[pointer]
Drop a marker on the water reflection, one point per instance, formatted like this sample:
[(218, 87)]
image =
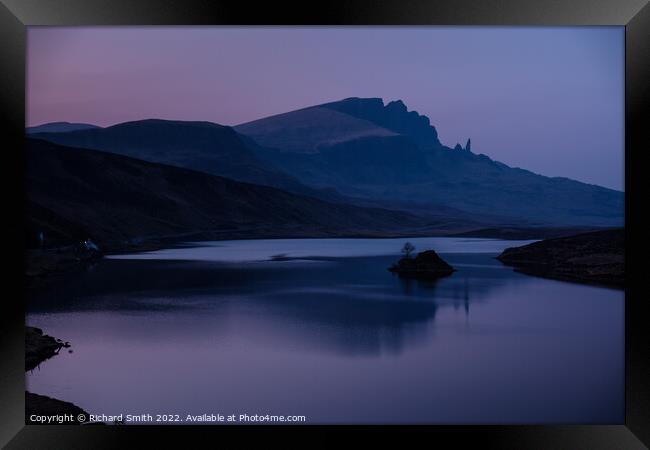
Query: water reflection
[(341, 340), (349, 306)]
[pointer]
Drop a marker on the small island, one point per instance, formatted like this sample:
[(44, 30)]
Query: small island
[(427, 265)]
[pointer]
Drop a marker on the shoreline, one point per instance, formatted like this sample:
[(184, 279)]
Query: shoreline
[(40, 347), (596, 258), (43, 265)]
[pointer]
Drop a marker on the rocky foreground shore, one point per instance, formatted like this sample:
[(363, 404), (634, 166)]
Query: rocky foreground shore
[(41, 405), (593, 258), (38, 348)]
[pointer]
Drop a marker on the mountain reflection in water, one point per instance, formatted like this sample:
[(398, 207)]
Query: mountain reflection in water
[(367, 346)]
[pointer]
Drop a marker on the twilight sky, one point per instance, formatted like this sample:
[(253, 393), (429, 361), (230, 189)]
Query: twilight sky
[(550, 100)]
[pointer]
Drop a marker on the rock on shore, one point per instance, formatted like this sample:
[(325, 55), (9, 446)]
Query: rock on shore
[(39, 347), (41, 405), (594, 258)]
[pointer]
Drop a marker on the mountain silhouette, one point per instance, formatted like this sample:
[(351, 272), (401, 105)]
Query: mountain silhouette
[(74, 194), (385, 153), (59, 127), (364, 152), (202, 146)]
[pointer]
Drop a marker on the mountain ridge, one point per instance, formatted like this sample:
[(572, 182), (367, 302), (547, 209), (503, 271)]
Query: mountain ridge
[(317, 126), (363, 152), (393, 116), (412, 165), (199, 145), (74, 194), (59, 127)]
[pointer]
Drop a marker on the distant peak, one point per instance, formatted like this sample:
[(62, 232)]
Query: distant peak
[(356, 101), (186, 122), (397, 105), (468, 146), (59, 127), (151, 122), (63, 122), (393, 116)]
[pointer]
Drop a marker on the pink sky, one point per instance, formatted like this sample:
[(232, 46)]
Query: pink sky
[(546, 99)]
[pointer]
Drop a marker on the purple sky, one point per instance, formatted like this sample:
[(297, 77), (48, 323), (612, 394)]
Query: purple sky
[(546, 99)]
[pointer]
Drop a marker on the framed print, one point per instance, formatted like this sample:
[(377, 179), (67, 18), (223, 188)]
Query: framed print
[(413, 217)]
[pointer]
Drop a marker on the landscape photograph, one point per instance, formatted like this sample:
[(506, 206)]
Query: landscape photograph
[(324, 225)]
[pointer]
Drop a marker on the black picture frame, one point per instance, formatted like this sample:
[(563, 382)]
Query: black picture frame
[(16, 15)]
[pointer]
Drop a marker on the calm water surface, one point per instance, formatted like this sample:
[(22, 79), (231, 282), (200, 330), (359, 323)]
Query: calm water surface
[(332, 335)]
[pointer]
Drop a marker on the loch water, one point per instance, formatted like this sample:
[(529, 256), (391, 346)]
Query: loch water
[(325, 331)]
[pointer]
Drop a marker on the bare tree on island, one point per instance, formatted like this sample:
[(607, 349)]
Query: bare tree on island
[(408, 249), (427, 265)]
